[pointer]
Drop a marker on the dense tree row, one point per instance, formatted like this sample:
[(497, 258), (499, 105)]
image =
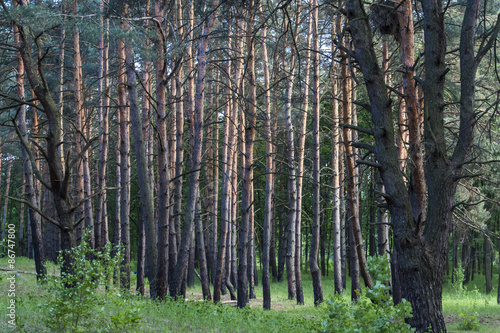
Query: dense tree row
[(223, 138)]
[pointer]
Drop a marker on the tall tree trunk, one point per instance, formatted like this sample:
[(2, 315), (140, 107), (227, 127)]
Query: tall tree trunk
[(79, 138), (179, 147), (292, 173), (123, 120), (336, 165), (352, 196), (214, 208), (148, 139), (226, 185), (183, 256), (35, 223), (160, 274), (300, 164), (268, 213), (146, 193), (245, 240), (417, 178), (101, 220), (422, 244), (313, 254)]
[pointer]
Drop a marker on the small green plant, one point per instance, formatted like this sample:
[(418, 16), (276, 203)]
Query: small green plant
[(458, 285), (468, 322), (374, 311), (126, 319), (77, 295)]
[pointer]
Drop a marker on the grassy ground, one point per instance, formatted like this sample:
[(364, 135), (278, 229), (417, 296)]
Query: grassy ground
[(197, 316)]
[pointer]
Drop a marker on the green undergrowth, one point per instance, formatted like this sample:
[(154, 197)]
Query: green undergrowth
[(119, 311)]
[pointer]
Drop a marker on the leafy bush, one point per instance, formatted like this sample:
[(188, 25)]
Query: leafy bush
[(374, 311), (80, 298), (458, 285), (468, 322)]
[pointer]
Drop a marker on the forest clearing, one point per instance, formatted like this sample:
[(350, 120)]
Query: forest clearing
[(254, 165)]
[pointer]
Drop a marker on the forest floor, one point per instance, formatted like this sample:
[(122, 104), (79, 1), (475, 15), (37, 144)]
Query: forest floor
[(467, 311)]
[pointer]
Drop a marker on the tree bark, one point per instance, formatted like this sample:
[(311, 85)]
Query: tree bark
[(182, 260), (101, 220), (313, 254), (226, 185), (160, 274), (269, 190), (422, 245), (245, 240), (35, 224), (124, 157)]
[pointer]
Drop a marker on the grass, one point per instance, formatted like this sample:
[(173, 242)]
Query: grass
[(198, 316)]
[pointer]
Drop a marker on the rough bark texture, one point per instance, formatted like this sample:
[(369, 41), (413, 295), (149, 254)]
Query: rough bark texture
[(161, 276), (422, 245)]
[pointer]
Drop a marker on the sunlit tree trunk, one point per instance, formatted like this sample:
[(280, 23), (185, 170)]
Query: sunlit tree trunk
[(336, 164), (101, 220), (292, 173), (269, 190), (300, 163), (123, 120)]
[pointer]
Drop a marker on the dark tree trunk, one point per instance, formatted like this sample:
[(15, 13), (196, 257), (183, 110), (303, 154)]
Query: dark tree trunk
[(147, 225), (202, 259), (421, 242), (187, 231)]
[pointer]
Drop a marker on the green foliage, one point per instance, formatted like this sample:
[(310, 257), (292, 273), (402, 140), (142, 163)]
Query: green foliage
[(458, 285), (126, 319), (374, 311), (468, 322), (78, 295)]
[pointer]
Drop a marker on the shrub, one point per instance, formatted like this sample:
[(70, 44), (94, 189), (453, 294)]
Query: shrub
[(374, 311), (79, 298), (468, 322)]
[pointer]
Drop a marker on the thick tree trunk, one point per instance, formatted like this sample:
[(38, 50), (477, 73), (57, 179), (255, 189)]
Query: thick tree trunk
[(313, 254), (35, 224), (422, 245), (160, 274)]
